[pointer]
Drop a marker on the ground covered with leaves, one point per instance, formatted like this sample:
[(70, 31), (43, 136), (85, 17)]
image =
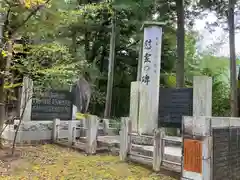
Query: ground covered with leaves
[(52, 162)]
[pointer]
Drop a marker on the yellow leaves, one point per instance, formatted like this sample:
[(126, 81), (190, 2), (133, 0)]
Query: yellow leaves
[(130, 178), (80, 116), (4, 53), (170, 80), (31, 3), (36, 168), (68, 164), (12, 86)]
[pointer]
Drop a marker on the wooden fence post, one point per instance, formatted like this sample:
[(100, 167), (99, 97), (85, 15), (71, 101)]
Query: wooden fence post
[(55, 129), (71, 133), (124, 138), (158, 150), (105, 126), (92, 129), (74, 133)]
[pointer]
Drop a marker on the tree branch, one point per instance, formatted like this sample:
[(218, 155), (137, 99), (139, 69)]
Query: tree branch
[(6, 23), (28, 17)]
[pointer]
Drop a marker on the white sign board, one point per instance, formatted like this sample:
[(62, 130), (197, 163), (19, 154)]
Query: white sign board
[(150, 78)]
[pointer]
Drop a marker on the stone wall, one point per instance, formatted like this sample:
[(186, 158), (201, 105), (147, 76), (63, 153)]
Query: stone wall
[(42, 130)]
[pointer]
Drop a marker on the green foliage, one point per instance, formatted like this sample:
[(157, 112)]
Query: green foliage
[(71, 38), (50, 65), (84, 30), (217, 68), (205, 65)]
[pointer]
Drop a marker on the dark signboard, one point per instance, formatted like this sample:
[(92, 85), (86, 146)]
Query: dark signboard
[(220, 153), (52, 104), (173, 105), (226, 153)]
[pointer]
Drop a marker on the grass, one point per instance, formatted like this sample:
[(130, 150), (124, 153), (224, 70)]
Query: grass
[(51, 162)]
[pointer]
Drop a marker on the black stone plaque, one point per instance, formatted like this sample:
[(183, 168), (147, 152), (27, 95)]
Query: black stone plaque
[(173, 105), (221, 169), (234, 154), (51, 104), (226, 153)]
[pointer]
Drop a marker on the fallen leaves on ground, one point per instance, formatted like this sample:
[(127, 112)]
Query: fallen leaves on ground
[(51, 162)]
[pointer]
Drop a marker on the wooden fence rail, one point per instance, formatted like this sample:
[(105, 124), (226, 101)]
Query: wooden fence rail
[(85, 137), (145, 149)]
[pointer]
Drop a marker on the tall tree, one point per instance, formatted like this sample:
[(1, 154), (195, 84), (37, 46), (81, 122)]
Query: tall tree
[(17, 18), (108, 103), (233, 75), (221, 8), (12, 23), (2, 105), (180, 43)]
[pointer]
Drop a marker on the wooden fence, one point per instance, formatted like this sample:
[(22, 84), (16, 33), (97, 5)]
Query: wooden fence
[(148, 150), (85, 137), (78, 132)]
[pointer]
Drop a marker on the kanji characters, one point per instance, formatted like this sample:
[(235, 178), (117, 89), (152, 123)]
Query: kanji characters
[(146, 79), (146, 68), (148, 44), (147, 58)]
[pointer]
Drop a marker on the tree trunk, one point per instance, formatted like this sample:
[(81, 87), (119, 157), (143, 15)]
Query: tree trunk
[(2, 106), (2, 95), (86, 45), (74, 44), (2, 68), (139, 70), (108, 103), (9, 78), (180, 44), (233, 74)]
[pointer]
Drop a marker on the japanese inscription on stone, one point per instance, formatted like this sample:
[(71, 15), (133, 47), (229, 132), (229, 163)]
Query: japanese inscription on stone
[(150, 77), (147, 61), (151, 58), (226, 153), (174, 104)]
